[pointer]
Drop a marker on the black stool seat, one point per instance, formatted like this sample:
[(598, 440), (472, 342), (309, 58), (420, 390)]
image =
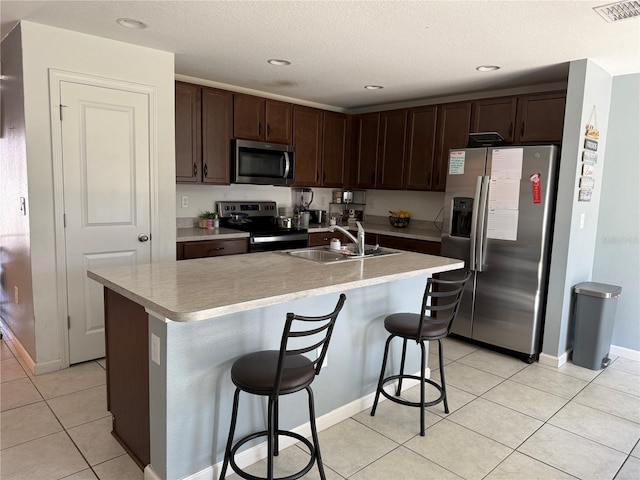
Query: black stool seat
[(256, 372), (440, 304), (406, 325), (272, 373)]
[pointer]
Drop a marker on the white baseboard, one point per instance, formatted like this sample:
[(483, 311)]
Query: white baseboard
[(26, 360), (625, 353), (552, 361), (257, 453)]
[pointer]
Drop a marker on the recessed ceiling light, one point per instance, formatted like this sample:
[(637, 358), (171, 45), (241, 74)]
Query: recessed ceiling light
[(131, 23), (373, 87), (619, 11), (487, 68), (279, 63)]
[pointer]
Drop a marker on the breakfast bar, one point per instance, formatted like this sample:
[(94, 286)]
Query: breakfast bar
[(174, 329)]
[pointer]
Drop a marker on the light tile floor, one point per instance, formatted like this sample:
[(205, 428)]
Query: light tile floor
[(508, 420)]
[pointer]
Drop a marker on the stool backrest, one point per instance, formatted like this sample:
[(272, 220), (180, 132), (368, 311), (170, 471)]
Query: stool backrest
[(441, 301), (318, 329)]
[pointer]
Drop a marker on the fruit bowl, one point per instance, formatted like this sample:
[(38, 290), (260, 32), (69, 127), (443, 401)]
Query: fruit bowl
[(399, 219)]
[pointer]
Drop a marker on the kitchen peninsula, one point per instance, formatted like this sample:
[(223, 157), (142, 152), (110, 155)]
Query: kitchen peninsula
[(174, 329)]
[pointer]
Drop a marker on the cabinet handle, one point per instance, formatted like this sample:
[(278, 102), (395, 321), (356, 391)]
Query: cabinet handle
[(259, 128), (510, 129), (216, 249), (268, 130), (205, 170), (522, 130), (195, 170)]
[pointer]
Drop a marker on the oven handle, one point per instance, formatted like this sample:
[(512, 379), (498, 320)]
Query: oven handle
[(278, 238)]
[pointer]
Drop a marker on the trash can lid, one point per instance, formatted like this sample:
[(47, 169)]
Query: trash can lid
[(595, 289)]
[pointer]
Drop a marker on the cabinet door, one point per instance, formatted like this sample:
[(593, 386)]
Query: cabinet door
[(319, 239), (409, 244), (453, 132), (495, 115), (278, 122), (307, 140), (540, 117), (421, 141), (334, 149), (248, 117), (393, 135), (367, 149), (217, 118), (188, 142)]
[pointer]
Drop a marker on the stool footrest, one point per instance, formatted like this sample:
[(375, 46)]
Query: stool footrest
[(264, 433), (406, 402)]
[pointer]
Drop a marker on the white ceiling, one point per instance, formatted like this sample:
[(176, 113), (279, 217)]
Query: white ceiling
[(415, 49)]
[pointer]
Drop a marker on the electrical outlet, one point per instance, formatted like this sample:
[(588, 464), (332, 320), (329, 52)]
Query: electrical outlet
[(185, 201), (155, 349), (16, 294)]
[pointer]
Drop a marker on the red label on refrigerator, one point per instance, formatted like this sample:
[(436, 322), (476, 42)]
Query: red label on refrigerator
[(535, 187)]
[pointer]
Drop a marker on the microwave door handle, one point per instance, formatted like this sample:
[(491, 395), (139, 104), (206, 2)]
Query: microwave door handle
[(287, 165)]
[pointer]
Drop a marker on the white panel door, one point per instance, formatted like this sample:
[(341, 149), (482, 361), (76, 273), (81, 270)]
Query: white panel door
[(105, 150)]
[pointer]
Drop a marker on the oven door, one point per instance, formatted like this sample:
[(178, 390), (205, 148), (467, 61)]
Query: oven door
[(271, 242)]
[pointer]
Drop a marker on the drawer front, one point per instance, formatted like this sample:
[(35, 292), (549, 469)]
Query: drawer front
[(214, 248), (410, 244)]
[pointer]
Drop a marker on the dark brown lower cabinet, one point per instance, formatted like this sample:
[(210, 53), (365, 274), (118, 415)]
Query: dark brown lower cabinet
[(127, 351), (409, 244), (211, 248), (319, 239)]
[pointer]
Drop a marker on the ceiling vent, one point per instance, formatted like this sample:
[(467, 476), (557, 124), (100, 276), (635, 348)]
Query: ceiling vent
[(619, 11)]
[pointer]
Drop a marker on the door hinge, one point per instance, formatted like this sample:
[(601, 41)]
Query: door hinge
[(61, 107), (68, 322)]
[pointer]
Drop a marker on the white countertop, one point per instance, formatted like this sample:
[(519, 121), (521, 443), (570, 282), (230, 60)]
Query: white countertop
[(190, 290)]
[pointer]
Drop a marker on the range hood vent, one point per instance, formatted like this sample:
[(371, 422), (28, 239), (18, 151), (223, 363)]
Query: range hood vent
[(619, 11)]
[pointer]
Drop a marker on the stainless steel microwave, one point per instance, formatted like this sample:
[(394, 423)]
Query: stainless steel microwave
[(262, 163)]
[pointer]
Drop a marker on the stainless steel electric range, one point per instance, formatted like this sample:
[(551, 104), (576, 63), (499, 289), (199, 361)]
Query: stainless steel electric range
[(259, 219)]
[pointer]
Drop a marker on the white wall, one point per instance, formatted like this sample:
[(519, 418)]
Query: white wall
[(573, 247), (47, 48), (617, 252)]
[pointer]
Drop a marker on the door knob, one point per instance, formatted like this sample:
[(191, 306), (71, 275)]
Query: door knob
[(143, 237)]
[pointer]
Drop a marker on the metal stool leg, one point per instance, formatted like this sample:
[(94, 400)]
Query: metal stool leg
[(423, 364), (384, 366), (270, 437), (232, 429), (276, 423), (404, 354), (314, 434), (442, 384)]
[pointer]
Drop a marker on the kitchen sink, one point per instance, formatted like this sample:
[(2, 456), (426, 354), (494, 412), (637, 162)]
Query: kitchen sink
[(325, 256)]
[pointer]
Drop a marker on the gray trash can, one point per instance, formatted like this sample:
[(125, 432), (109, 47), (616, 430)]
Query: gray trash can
[(595, 311)]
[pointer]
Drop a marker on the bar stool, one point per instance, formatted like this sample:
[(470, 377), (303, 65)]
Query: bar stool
[(272, 373), (440, 304)]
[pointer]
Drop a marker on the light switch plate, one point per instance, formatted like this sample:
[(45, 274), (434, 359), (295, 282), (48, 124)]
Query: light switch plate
[(155, 349)]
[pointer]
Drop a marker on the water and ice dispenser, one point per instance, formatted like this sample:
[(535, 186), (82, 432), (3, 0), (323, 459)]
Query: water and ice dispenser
[(461, 217)]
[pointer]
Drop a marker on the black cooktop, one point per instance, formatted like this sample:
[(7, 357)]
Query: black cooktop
[(258, 218)]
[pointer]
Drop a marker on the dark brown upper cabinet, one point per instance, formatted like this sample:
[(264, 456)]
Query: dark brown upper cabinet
[(366, 150), (454, 120), (421, 142), (334, 149), (203, 134), (392, 149), (261, 119), (540, 118), (320, 140), (495, 115), (307, 141), (188, 133)]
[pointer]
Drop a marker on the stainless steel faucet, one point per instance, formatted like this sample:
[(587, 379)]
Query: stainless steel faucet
[(358, 242)]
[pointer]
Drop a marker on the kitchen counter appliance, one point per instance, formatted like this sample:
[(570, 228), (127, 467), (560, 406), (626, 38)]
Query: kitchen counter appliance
[(262, 163), (260, 220), (498, 217)]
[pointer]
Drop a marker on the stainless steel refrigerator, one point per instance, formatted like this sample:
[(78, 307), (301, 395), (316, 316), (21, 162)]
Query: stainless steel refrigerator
[(498, 216)]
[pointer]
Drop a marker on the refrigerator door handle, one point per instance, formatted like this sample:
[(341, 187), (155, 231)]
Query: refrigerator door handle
[(481, 225), (474, 225)]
